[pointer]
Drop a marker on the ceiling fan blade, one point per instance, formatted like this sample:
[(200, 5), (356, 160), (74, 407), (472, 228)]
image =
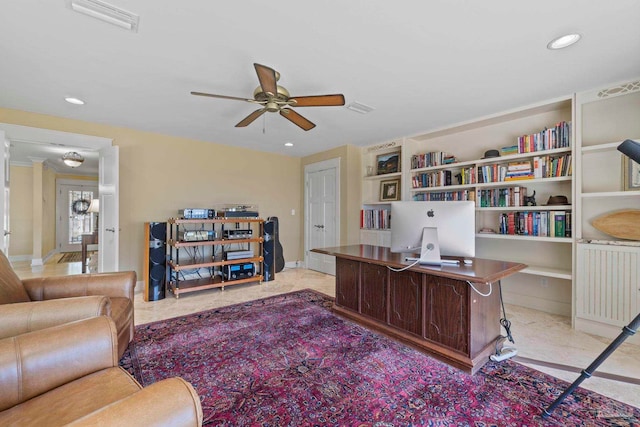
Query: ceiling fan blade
[(267, 78), (296, 119), (251, 117), (221, 96), (317, 100)]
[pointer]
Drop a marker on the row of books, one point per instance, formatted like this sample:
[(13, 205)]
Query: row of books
[(538, 167), (547, 139), (446, 196), (552, 166), (501, 197), (431, 179), (434, 158), (376, 219), (536, 223)]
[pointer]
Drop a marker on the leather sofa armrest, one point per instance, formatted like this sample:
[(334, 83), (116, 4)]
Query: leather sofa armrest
[(117, 284), (20, 318), (36, 362), (172, 402)]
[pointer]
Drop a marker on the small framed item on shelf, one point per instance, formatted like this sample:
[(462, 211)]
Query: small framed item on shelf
[(630, 174), (389, 190), (388, 163)]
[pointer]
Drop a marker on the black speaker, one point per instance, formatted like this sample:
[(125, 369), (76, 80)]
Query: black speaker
[(155, 260), (268, 251)]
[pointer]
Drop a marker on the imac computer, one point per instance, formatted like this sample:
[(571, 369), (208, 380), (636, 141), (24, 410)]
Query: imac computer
[(434, 229)]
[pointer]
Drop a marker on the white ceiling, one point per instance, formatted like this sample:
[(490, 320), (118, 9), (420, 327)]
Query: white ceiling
[(421, 64)]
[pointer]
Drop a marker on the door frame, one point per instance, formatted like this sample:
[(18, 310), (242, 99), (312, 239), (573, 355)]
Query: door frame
[(309, 169), (43, 136)]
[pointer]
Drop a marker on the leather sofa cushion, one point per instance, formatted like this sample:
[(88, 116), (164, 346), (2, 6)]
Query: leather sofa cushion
[(11, 288), (122, 315), (73, 400)]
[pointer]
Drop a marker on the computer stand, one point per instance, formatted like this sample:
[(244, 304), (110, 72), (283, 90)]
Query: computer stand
[(627, 331)]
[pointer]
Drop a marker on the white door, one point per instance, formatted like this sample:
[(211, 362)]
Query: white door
[(4, 197), (109, 225), (74, 197), (322, 218)]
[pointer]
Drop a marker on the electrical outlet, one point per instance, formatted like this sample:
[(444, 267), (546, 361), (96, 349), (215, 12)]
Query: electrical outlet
[(544, 282)]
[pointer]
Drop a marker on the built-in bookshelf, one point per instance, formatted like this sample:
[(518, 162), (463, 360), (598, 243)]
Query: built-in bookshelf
[(381, 167), (563, 149), (607, 268), (535, 160)]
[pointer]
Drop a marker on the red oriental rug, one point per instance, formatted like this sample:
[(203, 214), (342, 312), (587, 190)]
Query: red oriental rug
[(289, 361)]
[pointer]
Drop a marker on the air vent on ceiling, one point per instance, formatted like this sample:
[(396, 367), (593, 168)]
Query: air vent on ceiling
[(360, 108), (106, 12)]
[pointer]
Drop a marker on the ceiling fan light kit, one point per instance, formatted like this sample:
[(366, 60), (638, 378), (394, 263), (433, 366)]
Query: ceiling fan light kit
[(276, 99)]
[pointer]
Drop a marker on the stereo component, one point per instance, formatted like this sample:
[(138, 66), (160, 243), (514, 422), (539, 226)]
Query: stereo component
[(231, 255), (239, 271), (238, 214), (237, 233), (196, 213), (196, 235)]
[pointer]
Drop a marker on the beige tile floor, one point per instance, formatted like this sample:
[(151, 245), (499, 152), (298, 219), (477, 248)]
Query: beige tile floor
[(538, 336)]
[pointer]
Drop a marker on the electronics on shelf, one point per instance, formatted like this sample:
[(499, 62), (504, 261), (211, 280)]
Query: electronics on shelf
[(197, 235), (239, 271), (238, 233), (231, 255), (238, 211), (196, 213)]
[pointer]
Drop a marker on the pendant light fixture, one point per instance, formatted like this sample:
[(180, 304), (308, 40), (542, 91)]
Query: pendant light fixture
[(72, 159)]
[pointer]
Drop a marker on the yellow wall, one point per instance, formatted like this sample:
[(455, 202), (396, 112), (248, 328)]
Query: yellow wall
[(21, 210), (350, 193), (32, 211), (161, 174)]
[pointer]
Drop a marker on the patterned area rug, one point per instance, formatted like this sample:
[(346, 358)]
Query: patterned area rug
[(289, 361)]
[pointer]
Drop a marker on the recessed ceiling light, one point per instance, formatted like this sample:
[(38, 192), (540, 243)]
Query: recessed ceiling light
[(563, 41), (288, 144), (72, 100)]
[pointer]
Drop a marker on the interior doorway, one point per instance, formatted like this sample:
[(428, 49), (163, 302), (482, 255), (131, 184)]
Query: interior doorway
[(322, 213), (48, 146)]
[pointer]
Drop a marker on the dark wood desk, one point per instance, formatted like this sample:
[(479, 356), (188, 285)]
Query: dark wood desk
[(87, 239), (431, 308)]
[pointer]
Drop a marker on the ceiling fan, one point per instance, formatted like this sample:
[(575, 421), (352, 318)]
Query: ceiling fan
[(274, 98)]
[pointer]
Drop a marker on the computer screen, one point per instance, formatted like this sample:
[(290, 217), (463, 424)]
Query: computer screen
[(455, 223)]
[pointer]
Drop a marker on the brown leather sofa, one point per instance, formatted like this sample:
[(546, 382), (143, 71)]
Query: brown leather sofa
[(32, 304), (68, 375)]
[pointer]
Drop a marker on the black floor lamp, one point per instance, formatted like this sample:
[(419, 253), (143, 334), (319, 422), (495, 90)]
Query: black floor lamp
[(632, 150)]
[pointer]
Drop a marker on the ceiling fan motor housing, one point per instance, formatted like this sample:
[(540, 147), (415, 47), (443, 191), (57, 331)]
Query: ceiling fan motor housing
[(273, 102)]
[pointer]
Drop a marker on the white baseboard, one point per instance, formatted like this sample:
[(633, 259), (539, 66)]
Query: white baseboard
[(540, 304), (19, 258), (139, 287), (603, 330), (294, 264)]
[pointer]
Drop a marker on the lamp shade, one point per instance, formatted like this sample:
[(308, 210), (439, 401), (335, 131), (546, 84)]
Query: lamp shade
[(631, 149), (72, 159), (94, 207)]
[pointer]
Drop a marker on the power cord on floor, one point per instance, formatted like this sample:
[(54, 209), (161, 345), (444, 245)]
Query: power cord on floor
[(506, 323), (505, 352)]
